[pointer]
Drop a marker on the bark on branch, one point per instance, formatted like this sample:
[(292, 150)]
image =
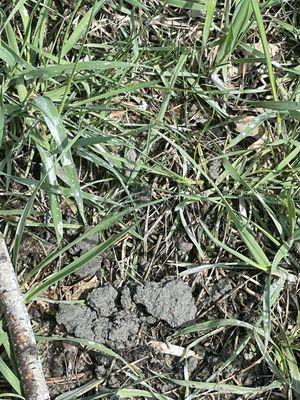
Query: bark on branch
[(20, 330)]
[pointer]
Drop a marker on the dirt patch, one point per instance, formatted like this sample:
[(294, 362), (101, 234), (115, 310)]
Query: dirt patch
[(92, 266)]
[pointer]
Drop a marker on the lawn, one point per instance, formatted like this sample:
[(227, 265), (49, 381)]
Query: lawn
[(149, 195)]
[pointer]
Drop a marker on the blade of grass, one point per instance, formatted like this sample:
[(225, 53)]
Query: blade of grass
[(294, 370), (209, 15), (11, 378), (81, 27), (52, 71), (20, 227), (2, 117), (190, 5), (104, 224), (264, 40), (250, 127), (238, 27), (12, 13), (39, 33), (53, 121), (217, 323), (277, 170), (13, 44), (283, 106), (227, 388), (51, 179), (129, 88), (232, 251)]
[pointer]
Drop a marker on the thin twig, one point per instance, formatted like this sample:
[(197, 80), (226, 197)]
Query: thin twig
[(20, 330)]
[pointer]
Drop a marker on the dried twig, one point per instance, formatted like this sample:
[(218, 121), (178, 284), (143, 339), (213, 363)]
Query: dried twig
[(20, 330)]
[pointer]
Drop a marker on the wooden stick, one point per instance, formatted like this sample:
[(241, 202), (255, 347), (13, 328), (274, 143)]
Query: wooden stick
[(20, 330)]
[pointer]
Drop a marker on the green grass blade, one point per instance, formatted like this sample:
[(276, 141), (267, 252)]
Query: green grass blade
[(216, 323), (294, 370), (190, 5), (181, 61), (52, 71), (13, 44), (278, 169), (6, 56), (21, 225), (237, 28), (12, 13), (11, 378), (105, 224), (209, 15), (51, 179), (2, 117), (40, 27), (59, 133), (267, 356), (266, 312), (227, 388), (263, 36), (277, 105), (81, 27), (138, 4), (250, 127), (129, 88), (234, 252)]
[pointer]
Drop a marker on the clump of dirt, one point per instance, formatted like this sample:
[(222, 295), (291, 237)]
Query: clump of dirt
[(116, 321), (169, 300), (100, 320), (102, 300), (78, 320)]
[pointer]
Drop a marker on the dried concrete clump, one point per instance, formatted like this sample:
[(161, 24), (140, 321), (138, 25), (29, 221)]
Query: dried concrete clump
[(100, 321), (126, 300), (116, 322), (103, 300), (77, 319), (118, 333), (169, 300)]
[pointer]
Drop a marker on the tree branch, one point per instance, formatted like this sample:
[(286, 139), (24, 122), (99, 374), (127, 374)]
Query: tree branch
[(20, 330)]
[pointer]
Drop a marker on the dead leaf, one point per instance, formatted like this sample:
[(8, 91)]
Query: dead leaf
[(258, 143), (273, 48), (80, 287), (173, 350), (243, 122)]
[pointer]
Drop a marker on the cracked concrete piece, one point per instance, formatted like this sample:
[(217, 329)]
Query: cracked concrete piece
[(77, 319), (101, 329), (126, 300), (101, 321), (120, 332), (123, 330), (169, 300), (102, 300)]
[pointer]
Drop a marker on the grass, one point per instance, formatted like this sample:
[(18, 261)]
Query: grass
[(147, 120)]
